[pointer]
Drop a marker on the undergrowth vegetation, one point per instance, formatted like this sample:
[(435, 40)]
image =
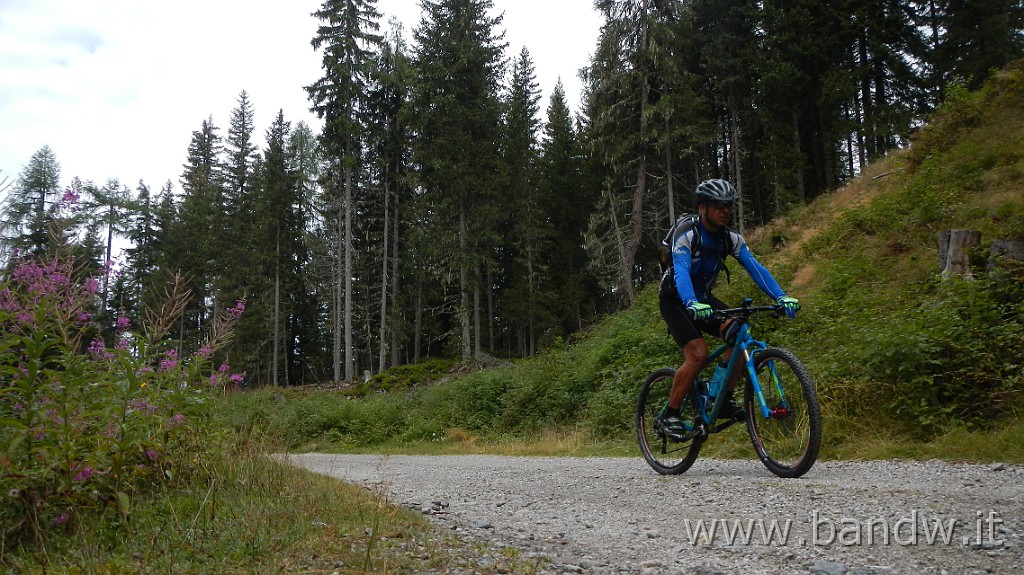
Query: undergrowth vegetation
[(896, 351), (118, 454), (114, 457)]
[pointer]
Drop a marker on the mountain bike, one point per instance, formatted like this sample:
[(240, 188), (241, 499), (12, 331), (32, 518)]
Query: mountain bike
[(780, 405)]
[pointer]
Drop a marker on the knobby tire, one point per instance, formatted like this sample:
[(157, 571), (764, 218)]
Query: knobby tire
[(665, 456), (788, 442)]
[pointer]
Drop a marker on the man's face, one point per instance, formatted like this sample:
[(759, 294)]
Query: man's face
[(719, 213)]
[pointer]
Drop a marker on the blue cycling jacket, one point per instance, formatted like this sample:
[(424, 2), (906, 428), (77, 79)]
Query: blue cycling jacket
[(696, 273)]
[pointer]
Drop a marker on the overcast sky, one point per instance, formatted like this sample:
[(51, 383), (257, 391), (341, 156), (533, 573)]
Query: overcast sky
[(116, 87)]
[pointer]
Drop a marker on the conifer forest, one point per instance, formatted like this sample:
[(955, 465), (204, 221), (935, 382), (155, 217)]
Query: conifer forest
[(444, 210)]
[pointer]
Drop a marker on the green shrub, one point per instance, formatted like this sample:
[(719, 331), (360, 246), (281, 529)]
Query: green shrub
[(86, 428)]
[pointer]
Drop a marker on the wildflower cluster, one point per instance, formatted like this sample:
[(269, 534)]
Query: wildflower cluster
[(87, 425)]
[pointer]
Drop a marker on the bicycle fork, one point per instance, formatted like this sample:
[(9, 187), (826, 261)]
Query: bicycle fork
[(768, 412)]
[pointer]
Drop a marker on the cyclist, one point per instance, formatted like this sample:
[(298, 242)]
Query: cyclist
[(698, 254)]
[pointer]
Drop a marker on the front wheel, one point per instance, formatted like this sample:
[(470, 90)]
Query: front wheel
[(664, 455), (787, 441)]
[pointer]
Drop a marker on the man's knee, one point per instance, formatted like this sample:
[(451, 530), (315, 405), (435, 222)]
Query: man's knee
[(696, 350)]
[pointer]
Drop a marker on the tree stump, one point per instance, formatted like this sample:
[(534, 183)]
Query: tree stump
[(954, 252)]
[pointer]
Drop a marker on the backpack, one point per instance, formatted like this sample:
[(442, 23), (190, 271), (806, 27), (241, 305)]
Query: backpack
[(685, 223)]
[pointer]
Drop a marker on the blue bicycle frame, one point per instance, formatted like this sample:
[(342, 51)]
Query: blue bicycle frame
[(746, 347)]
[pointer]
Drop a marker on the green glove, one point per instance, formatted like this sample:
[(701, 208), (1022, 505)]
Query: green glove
[(790, 304), (699, 310)]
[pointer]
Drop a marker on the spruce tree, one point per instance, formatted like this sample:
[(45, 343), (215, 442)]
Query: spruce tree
[(527, 270), (567, 200), (347, 36), (191, 242), (27, 212), (458, 62)]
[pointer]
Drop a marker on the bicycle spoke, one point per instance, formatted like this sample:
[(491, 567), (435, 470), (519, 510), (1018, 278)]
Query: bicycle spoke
[(664, 455), (787, 441)]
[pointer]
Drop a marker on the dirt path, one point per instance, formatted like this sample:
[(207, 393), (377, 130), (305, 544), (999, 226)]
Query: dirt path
[(615, 515)]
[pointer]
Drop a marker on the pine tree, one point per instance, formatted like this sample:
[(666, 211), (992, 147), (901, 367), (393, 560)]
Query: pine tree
[(28, 210), (458, 64), (978, 36), (567, 201), (527, 269), (310, 349), (347, 36), (388, 159), (191, 240)]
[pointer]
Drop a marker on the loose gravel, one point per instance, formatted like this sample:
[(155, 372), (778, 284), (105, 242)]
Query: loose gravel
[(615, 515)]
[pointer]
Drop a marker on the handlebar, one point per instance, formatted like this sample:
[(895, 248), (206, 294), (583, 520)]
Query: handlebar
[(748, 311), (745, 310)]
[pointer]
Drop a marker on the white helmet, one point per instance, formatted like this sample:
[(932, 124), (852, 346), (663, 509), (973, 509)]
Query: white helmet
[(715, 191)]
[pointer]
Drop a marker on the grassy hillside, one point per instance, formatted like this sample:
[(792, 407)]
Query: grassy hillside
[(906, 364)]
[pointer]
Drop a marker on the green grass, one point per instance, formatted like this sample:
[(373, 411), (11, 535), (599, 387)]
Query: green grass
[(906, 366), (252, 514), (904, 362)]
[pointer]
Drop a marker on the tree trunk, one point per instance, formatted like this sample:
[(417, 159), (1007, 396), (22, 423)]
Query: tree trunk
[(467, 336), (395, 278), (338, 296), (669, 177), (801, 191), (737, 174), (418, 322), (277, 306), (954, 251), (349, 351), (381, 366), (478, 353)]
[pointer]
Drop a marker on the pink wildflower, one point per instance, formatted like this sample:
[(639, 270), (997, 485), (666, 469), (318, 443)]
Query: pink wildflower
[(83, 474), (236, 312), (170, 360), (123, 323)]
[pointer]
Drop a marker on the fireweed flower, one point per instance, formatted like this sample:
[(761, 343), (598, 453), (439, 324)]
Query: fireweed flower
[(170, 360), (142, 405), (204, 352), (236, 312), (123, 323), (98, 349), (176, 420), (83, 474)]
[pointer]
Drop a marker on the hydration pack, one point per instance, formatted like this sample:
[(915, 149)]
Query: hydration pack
[(685, 223)]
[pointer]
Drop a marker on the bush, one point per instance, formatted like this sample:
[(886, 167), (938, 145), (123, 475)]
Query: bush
[(86, 427)]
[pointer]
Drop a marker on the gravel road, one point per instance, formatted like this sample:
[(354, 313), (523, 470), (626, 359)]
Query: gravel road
[(615, 515)]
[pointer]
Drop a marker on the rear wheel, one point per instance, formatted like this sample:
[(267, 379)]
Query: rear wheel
[(664, 455), (787, 441)]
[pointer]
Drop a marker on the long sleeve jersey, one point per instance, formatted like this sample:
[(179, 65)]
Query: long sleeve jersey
[(696, 271)]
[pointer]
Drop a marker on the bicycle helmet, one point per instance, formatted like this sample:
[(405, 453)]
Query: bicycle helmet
[(715, 191)]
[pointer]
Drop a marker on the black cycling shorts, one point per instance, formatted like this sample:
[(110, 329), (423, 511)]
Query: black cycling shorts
[(681, 326)]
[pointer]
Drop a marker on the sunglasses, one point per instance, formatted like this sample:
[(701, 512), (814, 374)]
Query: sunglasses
[(721, 205)]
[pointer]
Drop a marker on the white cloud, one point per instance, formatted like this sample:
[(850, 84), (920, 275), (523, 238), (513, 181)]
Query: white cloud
[(117, 88)]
